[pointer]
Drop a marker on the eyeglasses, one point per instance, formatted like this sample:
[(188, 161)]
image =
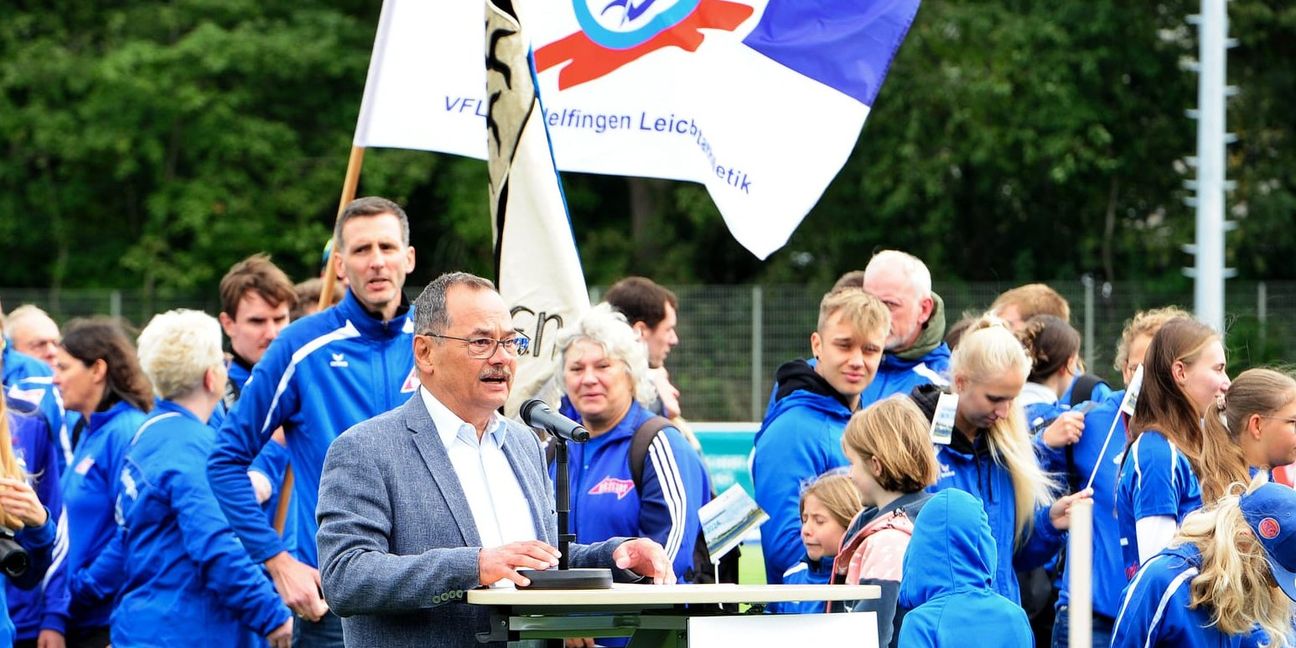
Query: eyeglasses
[(484, 347)]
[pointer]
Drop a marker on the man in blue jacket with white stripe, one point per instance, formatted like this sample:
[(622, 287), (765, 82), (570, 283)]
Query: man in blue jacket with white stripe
[(322, 375)]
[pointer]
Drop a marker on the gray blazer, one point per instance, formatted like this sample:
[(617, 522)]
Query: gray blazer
[(397, 542)]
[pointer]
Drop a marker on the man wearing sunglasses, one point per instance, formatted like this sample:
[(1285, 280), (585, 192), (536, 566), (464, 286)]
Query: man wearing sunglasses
[(322, 375)]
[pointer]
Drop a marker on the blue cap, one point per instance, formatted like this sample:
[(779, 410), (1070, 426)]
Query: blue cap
[(1270, 510)]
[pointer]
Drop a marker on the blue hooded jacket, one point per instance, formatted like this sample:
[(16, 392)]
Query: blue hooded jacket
[(948, 569), (33, 609), (970, 467), (324, 373), (89, 496), (799, 440), (180, 575), (1155, 610)]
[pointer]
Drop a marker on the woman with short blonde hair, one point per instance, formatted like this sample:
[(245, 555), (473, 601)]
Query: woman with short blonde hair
[(174, 543)]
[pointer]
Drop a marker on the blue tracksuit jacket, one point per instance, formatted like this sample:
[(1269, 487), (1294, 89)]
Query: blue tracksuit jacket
[(969, 467), (799, 440), (1155, 479), (18, 365), (44, 607), (898, 376), (1155, 610), (322, 375), (181, 576), (272, 461), (604, 504), (1108, 563), (39, 542), (38, 394), (89, 496), (948, 570), (805, 572)]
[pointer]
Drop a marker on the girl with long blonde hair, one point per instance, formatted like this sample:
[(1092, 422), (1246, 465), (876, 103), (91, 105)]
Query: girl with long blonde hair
[(1229, 569), (990, 453)]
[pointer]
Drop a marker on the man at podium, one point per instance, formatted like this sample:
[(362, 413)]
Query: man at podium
[(443, 495)]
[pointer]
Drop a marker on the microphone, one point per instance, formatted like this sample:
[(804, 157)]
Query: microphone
[(537, 414)]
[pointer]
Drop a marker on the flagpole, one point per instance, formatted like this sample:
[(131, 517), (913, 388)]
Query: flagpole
[(349, 186)]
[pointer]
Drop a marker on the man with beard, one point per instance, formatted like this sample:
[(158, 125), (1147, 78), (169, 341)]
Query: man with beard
[(915, 353), (319, 377)]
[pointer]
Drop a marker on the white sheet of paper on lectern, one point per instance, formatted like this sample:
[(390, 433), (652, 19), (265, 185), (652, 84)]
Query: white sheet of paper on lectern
[(728, 518), (857, 629)]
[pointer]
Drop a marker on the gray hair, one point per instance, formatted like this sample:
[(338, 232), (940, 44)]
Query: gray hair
[(23, 314), (607, 328), (177, 348), (430, 313), (908, 265)]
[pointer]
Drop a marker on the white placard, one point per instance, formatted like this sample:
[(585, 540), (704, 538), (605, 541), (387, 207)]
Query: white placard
[(856, 629)]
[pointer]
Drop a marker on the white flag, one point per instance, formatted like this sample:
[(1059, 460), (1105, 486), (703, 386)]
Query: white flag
[(759, 100), (537, 268)]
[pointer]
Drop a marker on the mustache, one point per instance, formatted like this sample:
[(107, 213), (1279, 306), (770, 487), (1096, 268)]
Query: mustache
[(496, 372)]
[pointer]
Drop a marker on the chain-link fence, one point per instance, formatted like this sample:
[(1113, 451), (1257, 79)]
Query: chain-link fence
[(732, 338)]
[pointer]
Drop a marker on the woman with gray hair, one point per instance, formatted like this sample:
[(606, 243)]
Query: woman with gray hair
[(653, 491), (180, 574)]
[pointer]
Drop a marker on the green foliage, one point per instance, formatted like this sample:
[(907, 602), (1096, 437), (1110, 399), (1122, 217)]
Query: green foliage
[(151, 144)]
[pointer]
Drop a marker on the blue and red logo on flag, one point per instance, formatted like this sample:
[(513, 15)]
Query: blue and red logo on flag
[(617, 32)]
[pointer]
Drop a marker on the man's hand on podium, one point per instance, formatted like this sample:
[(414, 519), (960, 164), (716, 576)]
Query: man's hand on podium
[(500, 563), (646, 558)]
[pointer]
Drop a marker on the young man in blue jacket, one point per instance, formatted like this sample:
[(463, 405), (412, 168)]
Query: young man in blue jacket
[(915, 351), (800, 437), (256, 299), (322, 375)]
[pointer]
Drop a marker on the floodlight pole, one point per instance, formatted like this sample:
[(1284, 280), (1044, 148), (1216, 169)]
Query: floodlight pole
[(1212, 91)]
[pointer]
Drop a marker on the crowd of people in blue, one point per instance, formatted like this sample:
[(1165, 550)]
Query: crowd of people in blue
[(343, 477)]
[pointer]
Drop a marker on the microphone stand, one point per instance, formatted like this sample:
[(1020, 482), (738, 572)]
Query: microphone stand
[(564, 577)]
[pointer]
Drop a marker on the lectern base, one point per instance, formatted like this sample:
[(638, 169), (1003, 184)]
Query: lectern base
[(567, 579)]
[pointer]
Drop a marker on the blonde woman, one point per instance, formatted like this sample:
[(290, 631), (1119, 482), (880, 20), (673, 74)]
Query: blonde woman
[(180, 575), (1230, 568), (990, 453)]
